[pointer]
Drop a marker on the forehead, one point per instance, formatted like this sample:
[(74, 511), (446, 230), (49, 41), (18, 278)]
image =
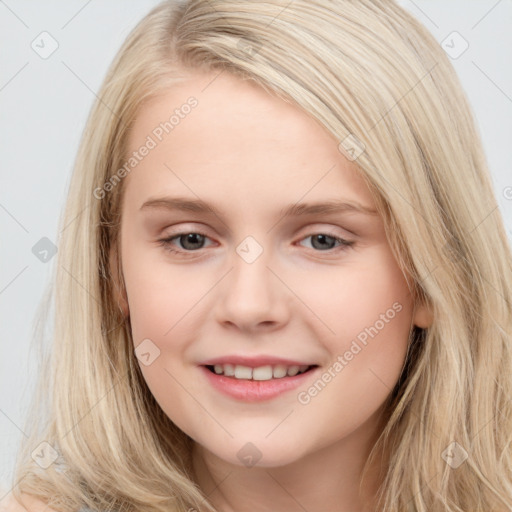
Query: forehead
[(241, 136)]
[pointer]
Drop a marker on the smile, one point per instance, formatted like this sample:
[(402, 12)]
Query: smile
[(256, 384), (260, 373)]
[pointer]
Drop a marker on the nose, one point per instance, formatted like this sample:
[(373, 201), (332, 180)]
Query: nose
[(252, 297)]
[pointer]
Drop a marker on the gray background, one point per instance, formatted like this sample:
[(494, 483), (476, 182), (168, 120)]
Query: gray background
[(44, 104)]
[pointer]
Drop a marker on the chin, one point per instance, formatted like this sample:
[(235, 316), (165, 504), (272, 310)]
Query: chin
[(258, 453)]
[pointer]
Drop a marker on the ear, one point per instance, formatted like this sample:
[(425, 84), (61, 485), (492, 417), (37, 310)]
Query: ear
[(119, 290), (422, 315)]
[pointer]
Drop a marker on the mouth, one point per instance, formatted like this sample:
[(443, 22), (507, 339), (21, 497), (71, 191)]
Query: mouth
[(257, 384), (259, 373)]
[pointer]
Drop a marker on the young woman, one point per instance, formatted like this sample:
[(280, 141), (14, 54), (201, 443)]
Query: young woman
[(283, 283)]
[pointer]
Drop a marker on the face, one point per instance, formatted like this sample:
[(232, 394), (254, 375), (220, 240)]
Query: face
[(232, 265)]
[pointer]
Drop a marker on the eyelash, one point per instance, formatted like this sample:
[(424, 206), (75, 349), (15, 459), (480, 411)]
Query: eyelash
[(166, 243)]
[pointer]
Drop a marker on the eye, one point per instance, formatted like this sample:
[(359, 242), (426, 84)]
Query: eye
[(325, 242), (190, 241)]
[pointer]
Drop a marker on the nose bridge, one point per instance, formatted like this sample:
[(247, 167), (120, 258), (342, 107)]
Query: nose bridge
[(251, 270), (250, 280), (251, 294)]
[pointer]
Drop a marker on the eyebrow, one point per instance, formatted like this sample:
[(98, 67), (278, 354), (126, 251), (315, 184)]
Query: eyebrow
[(296, 210)]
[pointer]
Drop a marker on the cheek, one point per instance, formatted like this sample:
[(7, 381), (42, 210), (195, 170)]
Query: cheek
[(159, 295), (164, 300), (367, 311), (367, 290)]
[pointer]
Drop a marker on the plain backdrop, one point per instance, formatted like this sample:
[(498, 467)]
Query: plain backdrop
[(44, 103)]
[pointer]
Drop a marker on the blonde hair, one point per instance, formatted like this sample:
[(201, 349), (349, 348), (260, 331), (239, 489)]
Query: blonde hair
[(366, 70)]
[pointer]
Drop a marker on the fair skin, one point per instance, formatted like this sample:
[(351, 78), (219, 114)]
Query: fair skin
[(249, 155), (29, 504)]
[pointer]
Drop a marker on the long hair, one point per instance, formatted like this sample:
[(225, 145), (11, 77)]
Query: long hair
[(383, 87)]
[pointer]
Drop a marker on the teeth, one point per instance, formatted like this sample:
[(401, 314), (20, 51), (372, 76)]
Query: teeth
[(280, 371), (229, 370), (243, 372), (260, 373), (293, 370)]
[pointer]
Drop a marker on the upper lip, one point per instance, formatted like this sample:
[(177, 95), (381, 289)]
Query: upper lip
[(254, 361)]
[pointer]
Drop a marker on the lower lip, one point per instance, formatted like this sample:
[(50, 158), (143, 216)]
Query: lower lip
[(255, 390)]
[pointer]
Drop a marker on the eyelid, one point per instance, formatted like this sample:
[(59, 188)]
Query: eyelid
[(337, 232), (184, 229)]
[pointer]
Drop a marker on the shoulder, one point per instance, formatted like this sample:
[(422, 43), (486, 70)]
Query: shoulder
[(28, 504)]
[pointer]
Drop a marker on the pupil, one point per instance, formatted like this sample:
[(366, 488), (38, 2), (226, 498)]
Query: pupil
[(191, 238), (322, 237)]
